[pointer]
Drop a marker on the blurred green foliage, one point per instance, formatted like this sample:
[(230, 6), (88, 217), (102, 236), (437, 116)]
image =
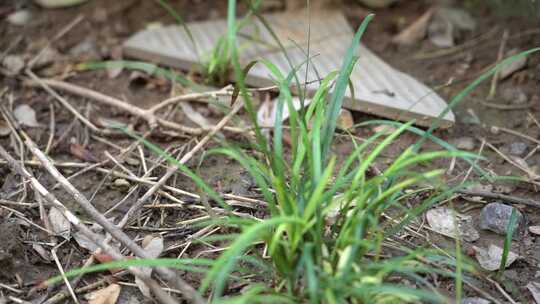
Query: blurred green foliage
[(508, 8)]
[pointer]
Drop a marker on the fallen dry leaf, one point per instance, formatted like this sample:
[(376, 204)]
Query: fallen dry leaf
[(82, 153), (153, 246), (416, 31), (516, 65), (59, 224), (490, 259), (84, 242), (107, 295), (105, 258), (444, 220), (534, 288), (26, 116), (194, 116), (266, 115)]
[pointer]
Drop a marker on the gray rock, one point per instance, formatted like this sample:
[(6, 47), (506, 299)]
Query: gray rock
[(13, 64), (464, 143), (475, 300), (490, 258), (47, 57), (86, 49), (19, 18), (496, 217), (446, 24), (514, 95), (518, 148)]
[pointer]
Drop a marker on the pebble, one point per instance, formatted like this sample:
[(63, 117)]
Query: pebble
[(514, 95), (47, 57), (496, 217), (518, 148), (86, 49), (534, 230), (19, 18), (474, 301), (490, 259), (13, 64), (494, 130), (464, 143), (121, 183), (447, 222), (132, 161)]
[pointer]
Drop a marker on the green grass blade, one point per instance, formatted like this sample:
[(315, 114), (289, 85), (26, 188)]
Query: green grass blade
[(222, 267), (512, 225), (182, 264), (342, 82), (431, 137), (200, 183), (165, 4), (146, 67), (459, 97)]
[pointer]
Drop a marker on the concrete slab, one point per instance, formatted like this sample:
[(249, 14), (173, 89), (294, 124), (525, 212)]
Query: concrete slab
[(379, 89)]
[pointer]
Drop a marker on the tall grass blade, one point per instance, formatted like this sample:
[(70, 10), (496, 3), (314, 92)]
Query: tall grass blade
[(512, 225), (219, 273), (459, 97), (146, 67), (342, 82), (165, 4)]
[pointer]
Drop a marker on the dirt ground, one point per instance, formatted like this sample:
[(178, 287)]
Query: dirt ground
[(25, 258)]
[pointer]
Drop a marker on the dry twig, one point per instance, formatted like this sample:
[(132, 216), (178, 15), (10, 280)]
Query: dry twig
[(147, 114), (75, 221)]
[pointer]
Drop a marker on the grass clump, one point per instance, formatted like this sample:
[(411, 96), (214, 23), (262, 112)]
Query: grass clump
[(325, 239), (324, 236)]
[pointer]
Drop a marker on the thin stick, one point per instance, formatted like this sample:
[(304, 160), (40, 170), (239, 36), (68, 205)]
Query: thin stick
[(495, 79), (532, 175), (516, 133), (147, 115), (480, 150), (59, 35), (172, 169), (501, 290), (140, 180), (62, 100), (170, 276), (75, 221), (507, 107), (191, 96), (52, 125), (506, 198), (62, 273), (61, 295)]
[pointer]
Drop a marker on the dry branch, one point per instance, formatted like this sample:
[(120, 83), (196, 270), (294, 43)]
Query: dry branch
[(147, 114), (188, 291), (74, 220)]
